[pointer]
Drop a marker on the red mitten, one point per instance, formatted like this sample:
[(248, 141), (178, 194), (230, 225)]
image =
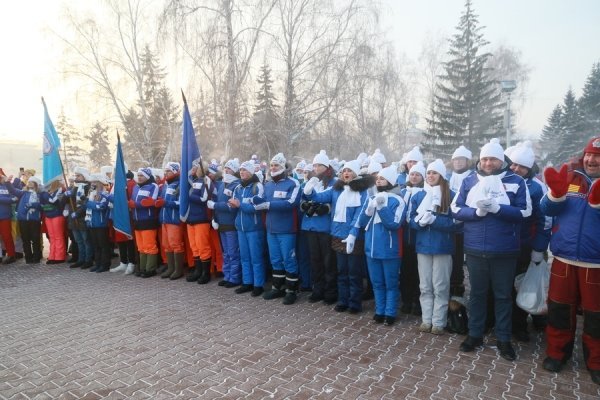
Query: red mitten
[(131, 204), (147, 202), (159, 203), (557, 181), (594, 195)]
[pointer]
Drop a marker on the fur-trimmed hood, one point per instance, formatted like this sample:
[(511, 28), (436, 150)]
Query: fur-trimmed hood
[(359, 184)]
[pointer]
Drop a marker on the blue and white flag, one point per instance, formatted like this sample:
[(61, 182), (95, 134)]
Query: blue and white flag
[(121, 221), (189, 153), (52, 166)]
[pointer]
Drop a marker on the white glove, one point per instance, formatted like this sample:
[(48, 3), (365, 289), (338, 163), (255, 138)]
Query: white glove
[(371, 207), (484, 204), (262, 206), (210, 204), (65, 213), (310, 185), (481, 212), (350, 240), (215, 225), (380, 199), (207, 181), (110, 204), (537, 256), (427, 219), (494, 206)]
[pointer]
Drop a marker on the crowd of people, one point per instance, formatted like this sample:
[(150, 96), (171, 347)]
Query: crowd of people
[(401, 232)]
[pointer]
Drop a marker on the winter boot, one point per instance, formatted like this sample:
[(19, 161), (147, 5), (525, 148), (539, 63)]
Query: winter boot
[(170, 266), (141, 269), (151, 265), (195, 271), (178, 266), (277, 290), (291, 282), (205, 276)]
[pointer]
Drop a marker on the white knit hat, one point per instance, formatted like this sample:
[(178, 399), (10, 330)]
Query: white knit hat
[(373, 167), (99, 178), (35, 180), (419, 168), (301, 165), (439, 167), (278, 159), (353, 166), (361, 158), (523, 154), (462, 151), (378, 157), (233, 165), (492, 149), (414, 155), (106, 169), (248, 166), (390, 174), (173, 166), (82, 171), (308, 167), (322, 159), (335, 164)]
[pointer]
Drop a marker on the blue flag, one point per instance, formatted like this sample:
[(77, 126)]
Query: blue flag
[(189, 153), (52, 166), (120, 211)]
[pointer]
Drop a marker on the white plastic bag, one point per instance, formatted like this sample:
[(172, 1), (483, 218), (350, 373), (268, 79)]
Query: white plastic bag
[(532, 288)]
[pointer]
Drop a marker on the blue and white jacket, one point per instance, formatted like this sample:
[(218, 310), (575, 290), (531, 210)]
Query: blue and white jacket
[(145, 217), (347, 211), (96, 213), (575, 235), (537, 228), (493, 234), (248, 219), (283, 196), (199, 195), (169, 192), (435, 238), (6, 202), (410, 234), (52, 203), (383, 230), (318, 223), (224, 214), (29, 207)]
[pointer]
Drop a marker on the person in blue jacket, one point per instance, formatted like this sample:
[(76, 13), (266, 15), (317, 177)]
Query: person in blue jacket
[(6, 203), (347, 197), (536, 231), (96, 219), (52, 206), (29, 217), (492, 203), (316, 224), (408, 160), (250, 230), (281, 200), (382, 218), (224, 222), (76, 197), (432, 220)]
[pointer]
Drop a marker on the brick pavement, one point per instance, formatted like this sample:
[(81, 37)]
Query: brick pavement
[(72, 334)]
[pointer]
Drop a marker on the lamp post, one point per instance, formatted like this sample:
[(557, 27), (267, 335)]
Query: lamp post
[(507, 87)]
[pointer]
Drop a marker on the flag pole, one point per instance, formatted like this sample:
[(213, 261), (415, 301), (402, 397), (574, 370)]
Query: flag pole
[(62, 168), (186, 104)]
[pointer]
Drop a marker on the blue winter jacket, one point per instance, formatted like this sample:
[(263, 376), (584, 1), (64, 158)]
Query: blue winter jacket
[(6, 202), (29, 207), (96, 213), (318, 223), (224, 214), (199, 195), (341, 230), (537, 228), (436, 238), (52, 203), (169, 192), (383, 230), (248, 219), (283, 197), (575, 235), (410, 234), (145, 217), (494, 234), (402, 178)]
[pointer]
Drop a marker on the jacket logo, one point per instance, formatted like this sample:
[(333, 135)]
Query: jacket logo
[(573, 188)]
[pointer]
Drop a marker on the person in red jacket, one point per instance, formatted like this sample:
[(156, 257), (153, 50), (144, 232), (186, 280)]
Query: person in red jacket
[(574, 200)]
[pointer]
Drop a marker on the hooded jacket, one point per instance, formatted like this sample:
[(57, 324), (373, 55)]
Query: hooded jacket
[(575, 234), (383, 230)]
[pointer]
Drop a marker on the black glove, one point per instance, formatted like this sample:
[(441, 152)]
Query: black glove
[(304, 206), (322, 209)]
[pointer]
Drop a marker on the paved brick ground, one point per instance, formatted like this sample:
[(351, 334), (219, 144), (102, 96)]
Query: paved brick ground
[(72, 334)]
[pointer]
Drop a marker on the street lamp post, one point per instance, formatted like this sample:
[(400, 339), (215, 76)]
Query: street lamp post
[(507, 87)]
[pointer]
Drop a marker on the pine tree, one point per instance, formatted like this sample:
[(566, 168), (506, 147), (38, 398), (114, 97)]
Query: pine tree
[(552, 136), (573, 138), (589, 103), (267, 138), (71, 153), (99, 154), (468, 107)]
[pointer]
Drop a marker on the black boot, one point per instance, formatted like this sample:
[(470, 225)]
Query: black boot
[(205, 272), (195, 272), (291, 282), (277, 289)]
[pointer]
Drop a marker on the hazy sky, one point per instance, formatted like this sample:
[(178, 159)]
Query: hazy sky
[(559, 40)]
